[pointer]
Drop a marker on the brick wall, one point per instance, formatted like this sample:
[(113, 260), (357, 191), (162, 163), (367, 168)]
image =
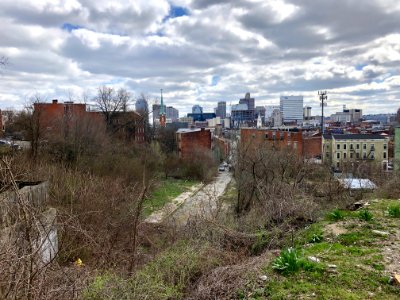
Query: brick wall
[(312, 147), (192, 141), (254, 138)]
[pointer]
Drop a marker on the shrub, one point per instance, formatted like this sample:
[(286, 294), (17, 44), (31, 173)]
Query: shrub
[(316, 238), (394, 210), (335, 215), (287, 262), (365, 215)]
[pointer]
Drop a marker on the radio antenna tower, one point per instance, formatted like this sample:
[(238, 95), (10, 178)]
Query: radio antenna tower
[(323, 97)]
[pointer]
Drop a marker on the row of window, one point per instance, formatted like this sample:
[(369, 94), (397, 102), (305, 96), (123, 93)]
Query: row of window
[(357, 146), (357, 155)]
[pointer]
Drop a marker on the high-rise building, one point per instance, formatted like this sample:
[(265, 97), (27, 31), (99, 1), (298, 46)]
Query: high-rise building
[(141, 105), (276, 118), (307, 112), (292, 109), (220, 111), (197, 109), (269, 109), (172, 113), (248, 100)]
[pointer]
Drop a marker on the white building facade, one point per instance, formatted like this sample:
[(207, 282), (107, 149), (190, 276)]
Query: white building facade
[(292, 108)]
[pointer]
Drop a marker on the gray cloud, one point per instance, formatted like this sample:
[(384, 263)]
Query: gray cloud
[(265, 47)]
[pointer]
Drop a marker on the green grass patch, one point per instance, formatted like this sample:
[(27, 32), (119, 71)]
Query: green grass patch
[(365, 215), (359, 266), (394, 210), (166, 191), (335, 215)]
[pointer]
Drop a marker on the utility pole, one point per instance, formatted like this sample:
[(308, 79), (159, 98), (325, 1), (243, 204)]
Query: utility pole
[(323, 97)]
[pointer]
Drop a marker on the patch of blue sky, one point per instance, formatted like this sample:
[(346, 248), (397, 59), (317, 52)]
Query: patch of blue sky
[(215, 80), (70, 27), (359, 67), (176, 12)]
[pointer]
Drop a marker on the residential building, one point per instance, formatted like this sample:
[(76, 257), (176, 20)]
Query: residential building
[(58, 118), (397, 148), (292, 109), (342, 149), (220, 111), (197, 109), (192, 141), (295, 140)]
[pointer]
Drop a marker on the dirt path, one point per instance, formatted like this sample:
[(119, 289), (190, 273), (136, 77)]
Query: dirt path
[(200, 199), (204, 202)]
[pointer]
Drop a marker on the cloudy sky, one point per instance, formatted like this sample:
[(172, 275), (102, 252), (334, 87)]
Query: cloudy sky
[(203, 51)]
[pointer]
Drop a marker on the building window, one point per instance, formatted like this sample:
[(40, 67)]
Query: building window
[(384, 155), (372, 147), (344, 146), (338, 155), (384, 146), (281, 136), (351, 147), (364, 155), (266, 136), (344, 155), (365, 146), (338, 146), (357, 155), (358, 146), (351, 155)]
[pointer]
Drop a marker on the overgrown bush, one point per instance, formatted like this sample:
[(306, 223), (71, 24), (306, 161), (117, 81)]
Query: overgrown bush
[(166, 277), (335, 215), (365, 215), (394, 210)]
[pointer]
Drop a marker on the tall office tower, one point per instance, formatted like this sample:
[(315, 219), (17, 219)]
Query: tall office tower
[(292, 109), (247, 100), (141, 105), (221, 110), (307, 112), (197, 109)]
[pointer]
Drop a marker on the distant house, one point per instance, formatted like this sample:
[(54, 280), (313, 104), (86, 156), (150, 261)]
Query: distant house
[(341, 149), (191, 141), (59, 118)]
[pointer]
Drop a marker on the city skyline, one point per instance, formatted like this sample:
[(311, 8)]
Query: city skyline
[(203, 52)]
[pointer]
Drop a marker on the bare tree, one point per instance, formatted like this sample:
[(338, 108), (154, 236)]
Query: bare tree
[(110, 102)]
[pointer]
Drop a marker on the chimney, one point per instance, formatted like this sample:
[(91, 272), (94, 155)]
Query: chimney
[(55, 101)]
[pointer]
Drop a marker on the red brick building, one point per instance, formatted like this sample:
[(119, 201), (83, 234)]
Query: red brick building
[(307, 147), (58, 118), (191, 141)]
